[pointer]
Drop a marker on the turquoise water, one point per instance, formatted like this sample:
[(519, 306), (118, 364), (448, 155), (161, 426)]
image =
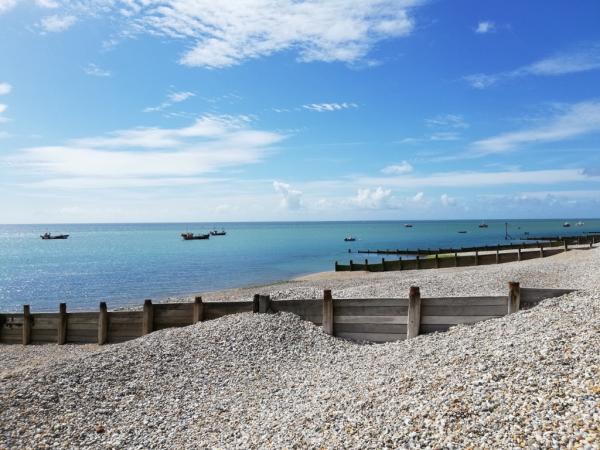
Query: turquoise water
[(124, 263)]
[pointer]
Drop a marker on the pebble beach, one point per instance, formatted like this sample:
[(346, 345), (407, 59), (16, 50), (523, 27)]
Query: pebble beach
[(529, 380)]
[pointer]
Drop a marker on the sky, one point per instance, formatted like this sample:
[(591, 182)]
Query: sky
[(264, 110)]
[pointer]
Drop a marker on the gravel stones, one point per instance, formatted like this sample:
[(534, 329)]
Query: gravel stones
[(528, 380)]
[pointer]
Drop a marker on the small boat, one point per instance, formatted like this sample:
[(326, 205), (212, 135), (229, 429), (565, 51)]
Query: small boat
[(408, 225), (566, 225), (218, 233), (580, 224), (483, 225), (462, 231), (47, 236), (349, 239), (194, 237)]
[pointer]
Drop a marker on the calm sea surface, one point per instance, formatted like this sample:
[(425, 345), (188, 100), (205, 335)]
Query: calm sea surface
[(124, 263)]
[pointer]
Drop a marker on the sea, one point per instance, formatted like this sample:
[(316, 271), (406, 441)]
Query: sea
[(122, 264)]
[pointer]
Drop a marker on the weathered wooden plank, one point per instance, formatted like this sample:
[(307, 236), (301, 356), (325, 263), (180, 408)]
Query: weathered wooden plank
[(73, 327), (465, 301), (147, 317), (198, 310), (487, 259), (371, 310), (223, 308), (371, 302), (82, 339), (534, 295), (124, 316), (463, 310), (103, 324), (328, 312), (454, 320), (173, 307), (425, 328), (82, 318), (370, 328), (414, 312), (514, 297), (371, 319), (372, 337)]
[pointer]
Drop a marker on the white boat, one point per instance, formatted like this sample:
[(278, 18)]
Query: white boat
[(580, 224), (566, 224)]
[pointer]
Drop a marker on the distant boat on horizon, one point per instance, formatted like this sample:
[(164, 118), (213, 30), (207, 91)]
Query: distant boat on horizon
[(194, 237), (483, 225), (48, 236), (218, 233), (349, 238), (408, 225), (580, 224), (566, 225), (462, 231)]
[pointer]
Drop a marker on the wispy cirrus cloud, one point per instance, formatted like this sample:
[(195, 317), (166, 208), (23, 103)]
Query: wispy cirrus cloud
[(57, 23), (172, 98), (230, 32), (572, 121), (328, 107), (398, 169), (580, 59), (96, 71), (149, 156)]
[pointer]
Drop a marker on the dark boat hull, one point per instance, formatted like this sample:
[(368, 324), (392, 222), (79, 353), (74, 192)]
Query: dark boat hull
[(194, 237), (50, 238)]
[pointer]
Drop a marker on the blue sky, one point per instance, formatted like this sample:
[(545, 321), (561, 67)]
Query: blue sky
[(182, 110)]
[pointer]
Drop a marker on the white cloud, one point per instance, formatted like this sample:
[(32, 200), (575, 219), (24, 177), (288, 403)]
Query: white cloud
[(373, 198), (95, 71), (6, 5), (290, 198), (581, 59), (172, 98), (50, 4), (452, 121), (481, 179), (398, 169), (56, 23), (5, 88), (575, 120), (208, 146), (229, 32), (485, 26), (446, 200), (323, 107), (419, 197)]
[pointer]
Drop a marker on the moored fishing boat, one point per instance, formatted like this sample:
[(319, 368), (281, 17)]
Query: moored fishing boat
[(48, 236), (566, 225), (194, 237), (349, 238), (218, 233)]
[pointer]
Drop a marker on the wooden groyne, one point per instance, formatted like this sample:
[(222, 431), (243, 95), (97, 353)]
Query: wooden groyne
[(456, 259), (546, 242), (375, 320)]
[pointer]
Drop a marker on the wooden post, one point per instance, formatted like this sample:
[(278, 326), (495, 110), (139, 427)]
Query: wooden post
[(366, 264), (518, 254), (497, 256), (476, 257), (437, 261), (383, 264), (566, 245), (62, 324), (455, 259), (198, 311), (255, 303), (351, 266), (418, 262), (336, 266), (327, 312), (26, 325), (264, 304), (414, 312), (514, 297), (148, 320), (103, 324)]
